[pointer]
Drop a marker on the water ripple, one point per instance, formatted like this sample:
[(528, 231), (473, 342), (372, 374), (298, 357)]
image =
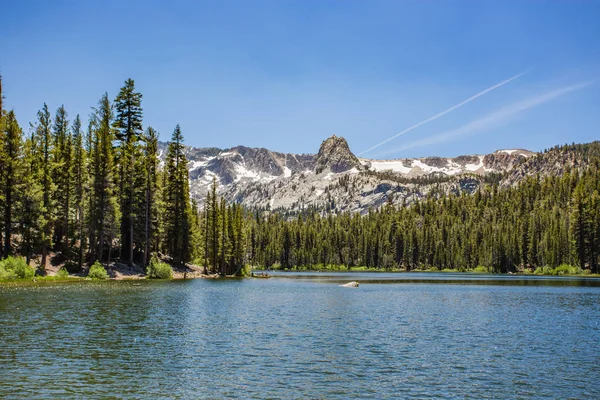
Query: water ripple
[(299, 338)]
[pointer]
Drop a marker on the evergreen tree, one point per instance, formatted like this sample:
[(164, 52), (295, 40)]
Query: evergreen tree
[(152, 208), (30, 212), (62, 177), (80, 182), (11, 159), (45, 171), (128, 125), (104, 210), (177, 204)]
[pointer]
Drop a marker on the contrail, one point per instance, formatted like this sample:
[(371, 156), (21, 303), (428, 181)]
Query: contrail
[(496, 86), (494, 118)]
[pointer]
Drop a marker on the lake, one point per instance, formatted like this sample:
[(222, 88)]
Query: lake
[(299, 335)]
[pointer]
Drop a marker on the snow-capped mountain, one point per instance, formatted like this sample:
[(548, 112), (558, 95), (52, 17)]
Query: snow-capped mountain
[(334, 179)]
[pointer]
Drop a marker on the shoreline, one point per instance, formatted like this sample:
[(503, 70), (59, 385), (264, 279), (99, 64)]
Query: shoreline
[(124, 273)]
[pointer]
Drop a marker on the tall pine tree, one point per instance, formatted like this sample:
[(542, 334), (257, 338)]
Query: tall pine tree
[(128, 124)]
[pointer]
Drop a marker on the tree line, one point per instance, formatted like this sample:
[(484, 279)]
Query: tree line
[(543, 221), (97, 192)]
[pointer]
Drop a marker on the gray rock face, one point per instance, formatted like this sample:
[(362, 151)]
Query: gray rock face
[(335, 155), (335, 180)]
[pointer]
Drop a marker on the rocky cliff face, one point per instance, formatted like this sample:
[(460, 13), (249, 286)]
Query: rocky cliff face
[(335, 156), (335, 179)]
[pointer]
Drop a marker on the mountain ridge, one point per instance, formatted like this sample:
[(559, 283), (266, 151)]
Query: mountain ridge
[(335, 180)]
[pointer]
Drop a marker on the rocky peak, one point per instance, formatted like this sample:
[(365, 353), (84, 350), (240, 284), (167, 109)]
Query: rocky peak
[(335, 155)]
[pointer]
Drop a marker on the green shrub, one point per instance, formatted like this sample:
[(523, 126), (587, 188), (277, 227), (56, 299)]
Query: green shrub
[(4, 274), (246, 270), (158, 270), (543, 270), (15, 267), (97, 271), (565, 269), (62, 273), (276, 265), (481, 269)]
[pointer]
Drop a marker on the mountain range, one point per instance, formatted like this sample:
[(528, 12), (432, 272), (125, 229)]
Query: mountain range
[(335, 180)]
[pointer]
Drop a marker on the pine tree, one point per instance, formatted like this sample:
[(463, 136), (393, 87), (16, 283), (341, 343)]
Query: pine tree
[(213, 226), (177, 204), (44, 154), (31, 201), (104, 211), (128, 124), (578, 223), (80, 182), (62, 177), (11, 153), (224, 255), (151, 210)]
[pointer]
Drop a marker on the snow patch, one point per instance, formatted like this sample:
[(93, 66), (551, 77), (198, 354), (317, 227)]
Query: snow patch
[(475, 167), (329, 176), (394, 166), (426, 168), (198, 164), (509, 152), (287, 172)]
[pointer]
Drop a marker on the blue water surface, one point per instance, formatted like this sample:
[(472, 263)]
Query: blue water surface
[(302, 336)]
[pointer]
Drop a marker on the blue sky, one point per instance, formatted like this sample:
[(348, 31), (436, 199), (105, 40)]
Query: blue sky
[(287, 74)]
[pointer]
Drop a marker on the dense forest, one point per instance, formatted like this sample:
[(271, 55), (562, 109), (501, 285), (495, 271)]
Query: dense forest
[(81, 194), (541, 222), (77, 194)]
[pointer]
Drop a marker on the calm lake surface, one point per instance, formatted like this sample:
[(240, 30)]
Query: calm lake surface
[(301, 336)]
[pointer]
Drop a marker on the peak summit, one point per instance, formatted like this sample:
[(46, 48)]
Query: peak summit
[(335, 154)]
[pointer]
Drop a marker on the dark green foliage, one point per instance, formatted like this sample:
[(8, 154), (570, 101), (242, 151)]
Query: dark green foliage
[(104, 209), (62, 164), (94, 195), (81, 193), (132, 177), (178, 212), (44, 146), (10, 174), (224, 228), (152, 206)]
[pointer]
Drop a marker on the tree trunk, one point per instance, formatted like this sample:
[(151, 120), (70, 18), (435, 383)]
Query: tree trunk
[(43, 262), (81, 237), (147, 227), (7, 212), (131, 164)]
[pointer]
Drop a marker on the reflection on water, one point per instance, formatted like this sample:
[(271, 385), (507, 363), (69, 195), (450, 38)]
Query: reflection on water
[(302, 336)]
